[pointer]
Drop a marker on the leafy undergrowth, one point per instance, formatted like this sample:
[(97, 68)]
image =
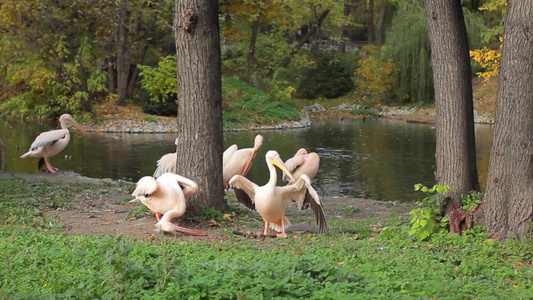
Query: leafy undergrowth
[(372, 260)]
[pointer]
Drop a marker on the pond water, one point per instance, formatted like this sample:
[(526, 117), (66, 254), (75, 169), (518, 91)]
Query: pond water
[(377, 159)]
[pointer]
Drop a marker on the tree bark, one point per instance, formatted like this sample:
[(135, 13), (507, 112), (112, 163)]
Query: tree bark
[(456, 149), (123, 57), (508, 203), (379, 25), (200, 140)]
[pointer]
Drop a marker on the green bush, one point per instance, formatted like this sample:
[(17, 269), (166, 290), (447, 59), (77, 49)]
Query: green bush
[(328, 77)]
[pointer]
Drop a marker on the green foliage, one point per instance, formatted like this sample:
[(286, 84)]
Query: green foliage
[(375, 78), (245, 104), (328, 77), (471, 200), (150, 118), (161, 82), (427, 219)]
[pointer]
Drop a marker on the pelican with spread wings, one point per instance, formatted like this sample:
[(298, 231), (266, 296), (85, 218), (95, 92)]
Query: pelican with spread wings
[(271, 201), (166, 196), (302, 163), (50, 143), (237, 161)]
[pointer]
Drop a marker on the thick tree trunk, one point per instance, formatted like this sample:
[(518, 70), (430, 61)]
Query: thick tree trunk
[(509, 195), (200, 140), (456, 150)]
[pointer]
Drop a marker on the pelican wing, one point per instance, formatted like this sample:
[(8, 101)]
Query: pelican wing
[(166, 164), (305, 195), (145, 186), (48, 138), (244, 190), (228, 153), (292, 164)]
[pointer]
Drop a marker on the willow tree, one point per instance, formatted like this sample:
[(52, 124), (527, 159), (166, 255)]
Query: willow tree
[(200, 141), (509, 195), (454, 105), (407, 43)]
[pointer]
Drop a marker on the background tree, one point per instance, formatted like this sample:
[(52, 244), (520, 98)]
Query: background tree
[(456, 148), (200, 141), (509, 194)]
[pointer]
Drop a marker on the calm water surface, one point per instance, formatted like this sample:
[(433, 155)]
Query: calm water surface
[(378, 159)]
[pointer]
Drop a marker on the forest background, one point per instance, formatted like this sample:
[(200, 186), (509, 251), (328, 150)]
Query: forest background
[(70, 57)]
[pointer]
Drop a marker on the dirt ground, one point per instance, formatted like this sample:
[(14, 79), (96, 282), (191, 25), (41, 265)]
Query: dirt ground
[(95, 213), (109, 214)]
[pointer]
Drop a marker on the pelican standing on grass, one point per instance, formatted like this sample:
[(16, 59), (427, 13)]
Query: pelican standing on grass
[(166, 196), (302, 163), (271, 201), (167, 163), (237, 161), (50, 143)]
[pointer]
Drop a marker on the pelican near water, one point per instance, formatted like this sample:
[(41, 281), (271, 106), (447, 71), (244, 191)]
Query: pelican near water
[(166, 196), (271, 201), (167, 163), (302, 163), (50, 143), (237, 161)]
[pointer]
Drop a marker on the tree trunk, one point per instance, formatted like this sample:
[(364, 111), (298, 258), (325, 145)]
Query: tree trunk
[(370, 21), (287, 60), (344, 28), (123, 63), (508, 203), (200, 139), (251, 48), (456, 149), (379, 25)]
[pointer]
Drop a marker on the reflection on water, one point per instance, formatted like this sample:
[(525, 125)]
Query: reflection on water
[(379, 159)]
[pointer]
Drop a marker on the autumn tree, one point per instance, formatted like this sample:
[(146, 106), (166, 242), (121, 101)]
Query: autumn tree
[(200, 141), (508, 202), (455, 150)]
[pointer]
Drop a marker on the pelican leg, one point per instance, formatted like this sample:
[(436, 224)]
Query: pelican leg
[(267, 224), (283, 234), (158, 216), (49, 166)]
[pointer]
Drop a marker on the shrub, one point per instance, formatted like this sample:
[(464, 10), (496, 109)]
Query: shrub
[(375, 78), (329, 77)]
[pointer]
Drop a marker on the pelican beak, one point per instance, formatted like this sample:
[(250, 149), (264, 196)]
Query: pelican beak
[(135, 200), (279, 163), (77, 125)]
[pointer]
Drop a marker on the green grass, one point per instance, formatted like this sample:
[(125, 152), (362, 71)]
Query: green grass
[(373, 260)]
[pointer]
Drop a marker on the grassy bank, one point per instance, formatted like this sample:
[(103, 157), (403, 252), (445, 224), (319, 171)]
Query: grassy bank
[(38, 260)]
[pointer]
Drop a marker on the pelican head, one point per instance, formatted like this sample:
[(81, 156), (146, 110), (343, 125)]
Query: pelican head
[(68, 119), (273, 158)]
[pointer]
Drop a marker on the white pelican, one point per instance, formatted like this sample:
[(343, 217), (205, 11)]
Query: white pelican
[(167, 163), (302, 163), (50, 143), (166, 196), (271, 201), (237, 161)]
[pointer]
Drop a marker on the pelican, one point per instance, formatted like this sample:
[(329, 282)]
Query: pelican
[(167, 163), (166, 196), (302, 163), (237, 161), (50, 143), (271, 201)]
